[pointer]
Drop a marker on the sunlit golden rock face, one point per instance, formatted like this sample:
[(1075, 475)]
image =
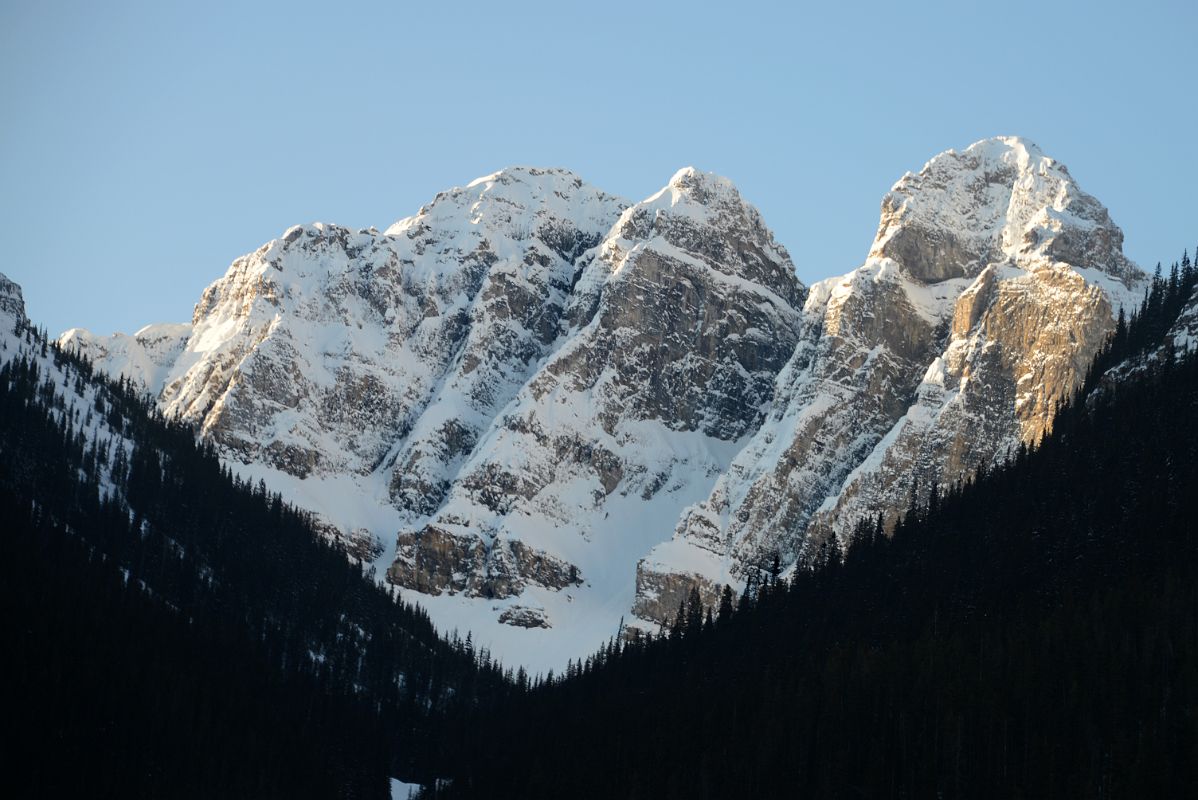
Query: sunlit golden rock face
[(991, 283)]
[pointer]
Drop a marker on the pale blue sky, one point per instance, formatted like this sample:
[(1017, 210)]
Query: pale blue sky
[(143, 146)]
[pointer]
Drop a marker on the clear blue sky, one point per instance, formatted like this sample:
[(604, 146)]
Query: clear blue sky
[(143, 146)]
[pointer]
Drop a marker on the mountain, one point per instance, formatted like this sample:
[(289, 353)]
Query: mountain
[(543, 410), (1029, 634), (680, 320), (312, 362), (991, 284)]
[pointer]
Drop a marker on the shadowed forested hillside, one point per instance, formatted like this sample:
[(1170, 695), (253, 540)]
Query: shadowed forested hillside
[(173, 632)]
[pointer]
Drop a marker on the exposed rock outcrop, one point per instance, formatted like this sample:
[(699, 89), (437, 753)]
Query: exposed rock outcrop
[(989, 287), (679, 322), (12, 302), (524, 617)]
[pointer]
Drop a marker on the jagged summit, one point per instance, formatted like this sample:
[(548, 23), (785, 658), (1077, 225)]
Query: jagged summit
[(512, 201), (693, 186), (998, 200), (524, 173), (992, 281), (677, 325), (703, 196), (701, 216)]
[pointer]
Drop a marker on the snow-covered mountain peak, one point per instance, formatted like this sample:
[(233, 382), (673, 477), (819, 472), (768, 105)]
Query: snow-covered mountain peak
[(525, 174), (699, 195), (702, 218), (513, 202), (1000, 200), (691, 185), (317, 352), (990, 285), (675, 329), (1010, 149)]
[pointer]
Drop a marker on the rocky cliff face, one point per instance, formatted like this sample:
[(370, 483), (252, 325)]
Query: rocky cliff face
[(320, 352), (510, 400), (680, 320), (12, 302), (989, 287)]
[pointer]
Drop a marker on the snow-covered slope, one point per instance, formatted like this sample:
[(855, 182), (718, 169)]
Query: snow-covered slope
[(989, 286), (680, 321), (511, 401), (1184, 334), (317, 354), (80, 404), (146, 357)]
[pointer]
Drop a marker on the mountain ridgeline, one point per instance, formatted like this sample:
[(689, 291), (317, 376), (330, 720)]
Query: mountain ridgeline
[(541, 410)]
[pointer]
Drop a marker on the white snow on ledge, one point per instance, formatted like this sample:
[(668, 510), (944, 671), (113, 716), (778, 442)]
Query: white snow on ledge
[(403, 791)]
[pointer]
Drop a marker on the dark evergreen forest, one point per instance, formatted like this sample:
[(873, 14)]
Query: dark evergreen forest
[(1032, 632)]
